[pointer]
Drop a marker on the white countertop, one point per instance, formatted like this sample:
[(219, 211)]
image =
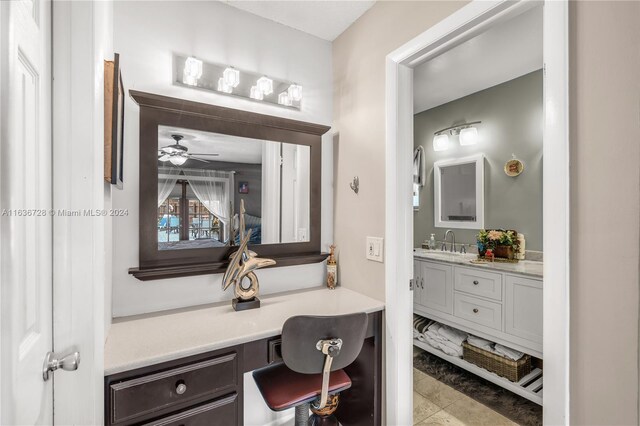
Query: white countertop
[(144, 340), (523, 267)]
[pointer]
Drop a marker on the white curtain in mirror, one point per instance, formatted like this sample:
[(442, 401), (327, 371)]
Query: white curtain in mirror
[(167, 178), (271, 161), (213, 190)]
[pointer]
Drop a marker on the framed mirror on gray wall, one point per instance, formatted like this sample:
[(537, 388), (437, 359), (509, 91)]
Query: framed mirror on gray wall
[(459, 193)]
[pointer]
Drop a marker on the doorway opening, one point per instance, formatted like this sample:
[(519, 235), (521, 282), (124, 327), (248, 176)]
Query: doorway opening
[(444, 297)]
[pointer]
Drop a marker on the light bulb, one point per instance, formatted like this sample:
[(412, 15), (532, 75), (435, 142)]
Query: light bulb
[(231, 77), (469, 136), (192, 71), (440, 142), (284, 99), (223, 86), (295, 92), (265, 85), (178, 160), (256, 93)]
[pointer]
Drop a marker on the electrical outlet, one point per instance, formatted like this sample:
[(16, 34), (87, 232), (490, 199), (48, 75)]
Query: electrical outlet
[(375, 249)]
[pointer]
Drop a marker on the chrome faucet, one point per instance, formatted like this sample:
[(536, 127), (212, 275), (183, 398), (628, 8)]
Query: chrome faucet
[(453, 241)]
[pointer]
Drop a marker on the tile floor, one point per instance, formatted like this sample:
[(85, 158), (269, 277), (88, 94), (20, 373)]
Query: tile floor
[(435, 403)]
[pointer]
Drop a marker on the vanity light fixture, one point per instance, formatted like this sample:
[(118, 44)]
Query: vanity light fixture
[(295, 92), (284, 99), (265, 85), (467, 134), (231, 77), (440, 142), (192, 71), (256, 93), (223, 86)]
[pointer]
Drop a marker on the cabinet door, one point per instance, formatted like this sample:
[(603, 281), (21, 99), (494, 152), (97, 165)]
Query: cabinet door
[(437, 287), (523, 308), (417, 282)]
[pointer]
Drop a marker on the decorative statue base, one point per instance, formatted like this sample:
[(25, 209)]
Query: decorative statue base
[(243, 263), (243, 305)]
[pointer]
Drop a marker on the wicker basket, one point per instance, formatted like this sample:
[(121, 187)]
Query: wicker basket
[(502, 366)]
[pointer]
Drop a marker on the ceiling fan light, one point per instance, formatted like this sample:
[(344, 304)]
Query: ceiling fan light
[(178, 160), (256, 93), (295, 92), (265, 85), (231, 77), (164, 157)]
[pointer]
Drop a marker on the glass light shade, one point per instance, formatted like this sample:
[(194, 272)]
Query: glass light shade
[(284, 99), (469, 136), (256, 93), (192, 71), (223, 86), (164, 158), (295, 92), (265, 85), (440, 142), (178, 160), (231, 77)]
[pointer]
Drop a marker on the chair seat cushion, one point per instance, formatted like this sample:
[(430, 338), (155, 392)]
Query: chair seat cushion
[(283, 388)]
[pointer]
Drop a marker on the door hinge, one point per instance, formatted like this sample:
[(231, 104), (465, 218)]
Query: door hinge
[(411, 284)]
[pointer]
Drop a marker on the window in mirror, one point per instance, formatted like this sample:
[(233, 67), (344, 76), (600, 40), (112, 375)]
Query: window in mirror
[(202, 176), (459, 193)]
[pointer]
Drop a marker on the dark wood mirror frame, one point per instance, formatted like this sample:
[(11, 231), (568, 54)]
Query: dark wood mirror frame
[(156, 110)]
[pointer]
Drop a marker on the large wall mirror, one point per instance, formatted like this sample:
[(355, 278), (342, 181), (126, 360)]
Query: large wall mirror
[(198, 161), (459, 193)]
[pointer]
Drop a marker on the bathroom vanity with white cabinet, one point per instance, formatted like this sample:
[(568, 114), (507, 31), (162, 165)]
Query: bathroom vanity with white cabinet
[(501, 302)]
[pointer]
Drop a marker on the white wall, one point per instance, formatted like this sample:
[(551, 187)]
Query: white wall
[(146, 34)]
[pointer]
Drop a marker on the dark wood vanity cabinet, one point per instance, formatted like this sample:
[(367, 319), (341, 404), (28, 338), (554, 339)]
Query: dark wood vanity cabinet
[(207, 389), (198, 390)]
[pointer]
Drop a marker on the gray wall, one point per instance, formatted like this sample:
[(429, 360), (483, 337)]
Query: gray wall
[(511, 115)]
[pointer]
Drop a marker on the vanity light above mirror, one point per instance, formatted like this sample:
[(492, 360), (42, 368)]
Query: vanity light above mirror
[(467, 135), (228, 80)]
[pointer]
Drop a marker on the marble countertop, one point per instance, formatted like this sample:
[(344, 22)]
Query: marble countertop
[(144, 340), (523, 267)]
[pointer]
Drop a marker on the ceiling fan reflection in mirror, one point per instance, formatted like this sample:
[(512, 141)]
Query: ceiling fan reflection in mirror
[(178, 154)]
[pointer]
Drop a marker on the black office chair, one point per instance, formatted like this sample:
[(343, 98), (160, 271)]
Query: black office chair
[(314, 350)]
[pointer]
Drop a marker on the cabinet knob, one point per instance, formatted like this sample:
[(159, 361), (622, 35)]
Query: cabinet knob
[(475, 310), (475, 282), (181, 387)]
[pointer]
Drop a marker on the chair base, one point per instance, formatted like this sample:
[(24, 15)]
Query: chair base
[(319, 417)]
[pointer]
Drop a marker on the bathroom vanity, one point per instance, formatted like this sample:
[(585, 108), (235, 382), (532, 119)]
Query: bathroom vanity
[(186, 367), (501, 302)]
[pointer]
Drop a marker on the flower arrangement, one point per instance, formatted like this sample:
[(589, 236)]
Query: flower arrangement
[(498, 243)]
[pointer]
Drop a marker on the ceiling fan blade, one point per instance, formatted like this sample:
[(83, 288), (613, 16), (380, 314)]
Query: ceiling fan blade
[(213, 155), (191, 157)]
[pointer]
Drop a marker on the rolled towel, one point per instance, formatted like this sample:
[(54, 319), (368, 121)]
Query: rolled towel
[(452, 351), (435, 336), (452, 334), (421, 337), (479, 342), (508, 352)]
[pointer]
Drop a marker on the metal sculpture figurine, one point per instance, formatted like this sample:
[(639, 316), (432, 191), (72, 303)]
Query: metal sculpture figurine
[(243, 263)]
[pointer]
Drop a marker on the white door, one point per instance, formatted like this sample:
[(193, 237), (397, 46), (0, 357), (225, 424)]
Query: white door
[(25, 222)]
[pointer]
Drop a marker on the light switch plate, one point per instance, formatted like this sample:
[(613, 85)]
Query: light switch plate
[(375, 249)]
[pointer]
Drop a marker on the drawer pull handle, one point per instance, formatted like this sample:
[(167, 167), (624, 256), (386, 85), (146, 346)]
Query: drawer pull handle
[(181, 387), (475, 282), (475, 310)]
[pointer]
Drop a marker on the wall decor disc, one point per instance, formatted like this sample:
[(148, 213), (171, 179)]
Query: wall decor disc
[(513, 167)]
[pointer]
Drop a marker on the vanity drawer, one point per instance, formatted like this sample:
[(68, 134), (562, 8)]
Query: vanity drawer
[(477, 310), (221, 412), (479, 283), (139, 396)]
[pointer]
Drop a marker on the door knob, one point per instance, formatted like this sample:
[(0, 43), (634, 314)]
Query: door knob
[(53, 361)]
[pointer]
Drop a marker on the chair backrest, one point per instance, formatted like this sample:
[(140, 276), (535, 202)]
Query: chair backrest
[(300, 335)]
